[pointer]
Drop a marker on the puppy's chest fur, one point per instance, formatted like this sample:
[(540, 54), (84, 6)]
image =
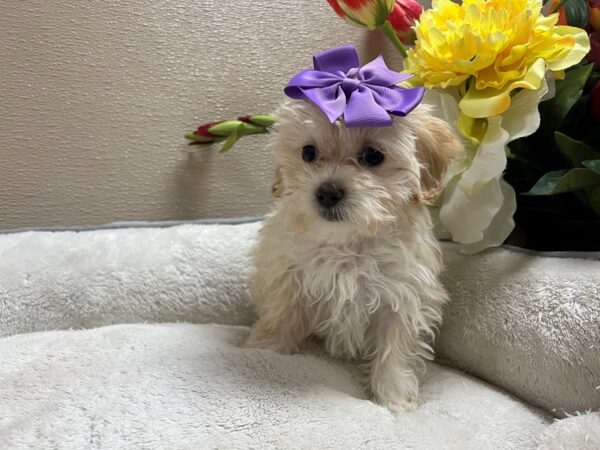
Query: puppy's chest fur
[(344, 288)]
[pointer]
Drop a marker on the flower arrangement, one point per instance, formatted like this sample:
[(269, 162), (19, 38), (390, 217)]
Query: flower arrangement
[(487, 65), (555, 171)]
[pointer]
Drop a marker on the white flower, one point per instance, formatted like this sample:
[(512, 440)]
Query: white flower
[(477, 206)]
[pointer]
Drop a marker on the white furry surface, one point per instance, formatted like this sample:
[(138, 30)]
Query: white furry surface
[(59, 280), (199, 273), (576, 432), (527, 323), (192, 386)]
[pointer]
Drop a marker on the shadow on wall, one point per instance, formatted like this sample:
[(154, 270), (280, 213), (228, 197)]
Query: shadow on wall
[(190, 186), (197, 180)]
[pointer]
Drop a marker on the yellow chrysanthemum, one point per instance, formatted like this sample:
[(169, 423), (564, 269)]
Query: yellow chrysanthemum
[(490, 48)]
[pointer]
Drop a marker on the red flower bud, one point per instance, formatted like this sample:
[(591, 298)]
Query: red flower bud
[(336, 7), (403, 17), (368, 13), (394, 17), (203, 130)]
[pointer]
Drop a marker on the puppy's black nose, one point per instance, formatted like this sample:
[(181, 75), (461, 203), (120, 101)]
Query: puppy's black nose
[(328, 194)]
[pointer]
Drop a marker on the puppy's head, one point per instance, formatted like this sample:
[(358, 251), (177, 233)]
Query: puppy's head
[(338, 181)]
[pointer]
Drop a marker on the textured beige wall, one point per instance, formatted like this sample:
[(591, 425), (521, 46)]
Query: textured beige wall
[(95, 97)]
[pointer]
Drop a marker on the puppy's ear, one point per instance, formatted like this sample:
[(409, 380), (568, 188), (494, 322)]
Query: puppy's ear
[(277, 187), (436, 146)]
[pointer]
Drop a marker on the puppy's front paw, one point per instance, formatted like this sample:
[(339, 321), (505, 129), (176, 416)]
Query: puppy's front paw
[(268, 341), (396, 406)]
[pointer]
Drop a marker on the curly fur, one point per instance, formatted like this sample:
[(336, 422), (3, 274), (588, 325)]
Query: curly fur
[(367, 285)]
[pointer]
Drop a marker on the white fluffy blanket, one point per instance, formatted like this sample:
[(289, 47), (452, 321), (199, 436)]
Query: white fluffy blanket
[(184, 385), (527, 323), (192, 386)]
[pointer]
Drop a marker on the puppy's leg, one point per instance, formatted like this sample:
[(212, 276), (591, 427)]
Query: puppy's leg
[(282, 326), (398, 355), (280, 336)]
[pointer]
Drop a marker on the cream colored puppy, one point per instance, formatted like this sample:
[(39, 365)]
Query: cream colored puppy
[(348, 255)]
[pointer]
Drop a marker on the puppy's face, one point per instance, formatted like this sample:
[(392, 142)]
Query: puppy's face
[(342, 181)]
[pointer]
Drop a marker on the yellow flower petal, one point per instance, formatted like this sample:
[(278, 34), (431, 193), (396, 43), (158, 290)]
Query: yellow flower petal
[(581, 47), (481, 103), (493, 43), (472, 128)]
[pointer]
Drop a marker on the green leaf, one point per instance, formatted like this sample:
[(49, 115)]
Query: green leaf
[(229, 126), (231, 139), (200, 139), (592, 197), (593, 165), (263, 120), (382, 11), (574, 150), (548, 182), (577, 12), (224, 128), (568, 91), (559, 181), (247, 128)]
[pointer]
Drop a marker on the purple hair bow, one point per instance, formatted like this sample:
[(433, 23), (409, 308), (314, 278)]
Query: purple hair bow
[(365, 96)]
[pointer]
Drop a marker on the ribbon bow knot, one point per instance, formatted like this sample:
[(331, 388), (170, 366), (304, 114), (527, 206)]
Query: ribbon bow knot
[(365, 96)]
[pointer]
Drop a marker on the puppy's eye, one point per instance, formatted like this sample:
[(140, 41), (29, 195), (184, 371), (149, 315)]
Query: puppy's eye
[(309, 153), (371, 157)]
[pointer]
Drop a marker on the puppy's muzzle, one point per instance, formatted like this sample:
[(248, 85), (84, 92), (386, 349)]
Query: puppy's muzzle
[(329, 196)]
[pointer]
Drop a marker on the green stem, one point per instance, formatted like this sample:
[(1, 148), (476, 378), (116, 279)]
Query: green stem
[(389, 31)]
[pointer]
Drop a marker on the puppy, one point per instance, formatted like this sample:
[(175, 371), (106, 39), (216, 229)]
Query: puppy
[(348, 255)]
